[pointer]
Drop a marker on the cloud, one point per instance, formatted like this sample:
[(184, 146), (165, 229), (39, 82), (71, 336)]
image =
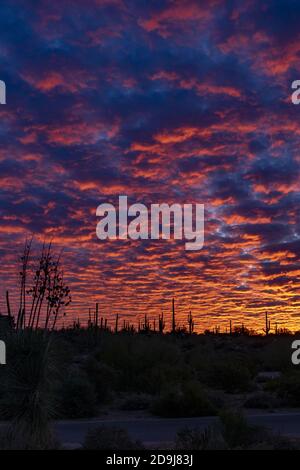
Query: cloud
[(172, 101)]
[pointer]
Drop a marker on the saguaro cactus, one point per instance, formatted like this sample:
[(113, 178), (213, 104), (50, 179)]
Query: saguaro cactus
[(117, 323), (97, 315), (268, 325), (146, 326), (161, 323), (173, 316), (191, 323)]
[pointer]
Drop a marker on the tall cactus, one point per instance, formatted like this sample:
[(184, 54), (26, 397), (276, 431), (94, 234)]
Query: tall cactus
[(161, 323), (191, 323), (146, 325), (267, 325), (117, 323), (97, 315), (173, 316)]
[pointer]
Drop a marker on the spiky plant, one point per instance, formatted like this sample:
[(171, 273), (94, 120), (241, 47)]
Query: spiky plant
[(29, 380)]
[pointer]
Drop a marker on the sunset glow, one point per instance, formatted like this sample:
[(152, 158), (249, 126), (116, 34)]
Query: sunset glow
[(166, 102)]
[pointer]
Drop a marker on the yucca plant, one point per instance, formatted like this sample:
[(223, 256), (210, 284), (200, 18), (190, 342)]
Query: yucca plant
[(29, 379)]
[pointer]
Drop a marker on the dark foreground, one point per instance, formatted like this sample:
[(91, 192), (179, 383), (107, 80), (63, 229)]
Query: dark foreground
[(159, 431), (169, 382)]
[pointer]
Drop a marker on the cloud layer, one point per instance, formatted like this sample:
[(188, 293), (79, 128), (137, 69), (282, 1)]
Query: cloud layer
[(170, 101)]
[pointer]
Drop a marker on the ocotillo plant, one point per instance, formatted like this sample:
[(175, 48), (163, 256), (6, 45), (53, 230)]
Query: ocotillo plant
[(268, 325), (48, 291), (191, 323), (21, 321)]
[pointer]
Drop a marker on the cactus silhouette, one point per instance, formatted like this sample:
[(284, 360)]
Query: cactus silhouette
[(267, 325), (117, 323), (173, 316), (161, 323), (146, 326), (97, 315), (191, 323)]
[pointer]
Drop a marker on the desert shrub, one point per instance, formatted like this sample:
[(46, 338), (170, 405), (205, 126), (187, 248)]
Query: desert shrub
[(276, 356), (217, 398), (274, 442), (136, 401), (232, 432), (288, 388), (262, 400), (109, 438), (102, 377), (186, 400), (195, 439), (77, 396), (144, 364), (165, 376), (237, 432), (138, 352), (232, 377), (14, 438)]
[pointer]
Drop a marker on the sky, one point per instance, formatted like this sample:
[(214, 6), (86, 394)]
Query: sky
[(162, 101)]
